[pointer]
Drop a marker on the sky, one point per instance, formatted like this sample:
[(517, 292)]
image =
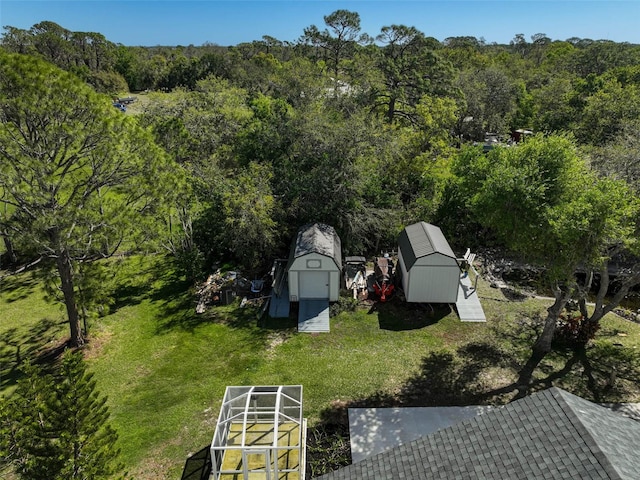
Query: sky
[(173, 22)]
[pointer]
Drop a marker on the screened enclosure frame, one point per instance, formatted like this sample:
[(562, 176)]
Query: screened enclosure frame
[(260, 434)]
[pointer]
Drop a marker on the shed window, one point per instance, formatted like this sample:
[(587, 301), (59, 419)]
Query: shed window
[(314, 263)]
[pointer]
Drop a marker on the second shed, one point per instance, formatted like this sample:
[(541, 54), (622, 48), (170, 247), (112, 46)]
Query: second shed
[(427, 265)]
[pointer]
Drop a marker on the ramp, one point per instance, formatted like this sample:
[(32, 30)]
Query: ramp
[(313, 316), (279, 305), (468, 304)]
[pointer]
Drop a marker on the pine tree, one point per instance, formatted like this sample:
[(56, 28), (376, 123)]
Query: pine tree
[(56, 426)]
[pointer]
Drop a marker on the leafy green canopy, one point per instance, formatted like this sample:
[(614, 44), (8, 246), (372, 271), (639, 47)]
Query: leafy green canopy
[(540, 199)]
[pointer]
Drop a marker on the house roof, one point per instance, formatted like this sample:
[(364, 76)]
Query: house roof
[(548, 435), (317, 238), (422, 239)]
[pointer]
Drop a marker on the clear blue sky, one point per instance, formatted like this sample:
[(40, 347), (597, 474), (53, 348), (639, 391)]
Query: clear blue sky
[(172, 22)]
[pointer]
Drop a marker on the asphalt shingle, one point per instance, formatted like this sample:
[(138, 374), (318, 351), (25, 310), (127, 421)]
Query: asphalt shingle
[(548, 435)]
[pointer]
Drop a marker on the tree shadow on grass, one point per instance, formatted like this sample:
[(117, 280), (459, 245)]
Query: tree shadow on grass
[(17, 287), (465, 378), (469, 376), (604, 371), (484, 373), (444, 379), (399, 316), (141, 284), (158, 283), (40, 344), (288, 323), (181, 315)]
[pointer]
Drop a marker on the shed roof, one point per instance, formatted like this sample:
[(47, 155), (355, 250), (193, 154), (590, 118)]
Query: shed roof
[(548, 435), (422, 239), (317, 238)]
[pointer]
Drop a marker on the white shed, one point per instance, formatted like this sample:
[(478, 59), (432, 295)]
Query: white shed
[(315, 264), (427, 265)]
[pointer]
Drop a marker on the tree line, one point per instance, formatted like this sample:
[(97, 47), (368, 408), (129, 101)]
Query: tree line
[(239, 146)]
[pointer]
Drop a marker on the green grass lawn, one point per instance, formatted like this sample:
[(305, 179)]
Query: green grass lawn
[(165, 369)]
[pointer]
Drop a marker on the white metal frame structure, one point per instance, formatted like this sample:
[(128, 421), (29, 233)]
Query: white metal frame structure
[(275, 412)]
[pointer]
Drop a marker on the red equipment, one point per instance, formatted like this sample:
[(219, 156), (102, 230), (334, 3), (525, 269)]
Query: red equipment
[(383, 271)]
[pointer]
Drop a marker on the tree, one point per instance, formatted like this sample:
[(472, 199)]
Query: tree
[(607, 110), (248, 205), (541, 201), (80, 52), (411, 68), (80, 177), (419, 175), (554, 111), (490, 98), (56, 426), (345, 26), (620, 158), (519, 45), (337, 43), (539, 45)]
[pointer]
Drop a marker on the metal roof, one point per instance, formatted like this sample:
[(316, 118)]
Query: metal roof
[(422, 239), (548, 435), (318, 238)]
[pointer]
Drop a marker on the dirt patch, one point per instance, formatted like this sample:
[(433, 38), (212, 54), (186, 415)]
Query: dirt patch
[(96, 343), (274, 340), (155, 466)]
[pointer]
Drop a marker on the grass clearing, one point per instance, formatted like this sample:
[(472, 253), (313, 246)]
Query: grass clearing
[(165, 369)]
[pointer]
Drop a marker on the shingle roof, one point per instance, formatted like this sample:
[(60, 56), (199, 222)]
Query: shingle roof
[(318, 238), (422, 239), (548, 435)]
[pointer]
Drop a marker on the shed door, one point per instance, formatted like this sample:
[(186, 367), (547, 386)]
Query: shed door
[(314, 284)]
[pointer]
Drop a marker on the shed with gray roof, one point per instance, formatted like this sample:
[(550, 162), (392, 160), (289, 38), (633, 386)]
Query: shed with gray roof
[(427, 265), (314, 265)]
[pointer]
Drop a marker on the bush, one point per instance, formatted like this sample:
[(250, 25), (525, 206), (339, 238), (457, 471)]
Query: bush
[(191, 264), (344, 304), (574, 329)]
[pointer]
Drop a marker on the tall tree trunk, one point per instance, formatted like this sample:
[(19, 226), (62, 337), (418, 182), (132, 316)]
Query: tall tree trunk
[(391, 109), (543, 343), (66, 277), (629, 280), (11, 254)]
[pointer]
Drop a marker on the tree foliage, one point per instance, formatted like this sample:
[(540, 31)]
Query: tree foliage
[(81, 178), (56, 425), (541, 201), (367, 136)]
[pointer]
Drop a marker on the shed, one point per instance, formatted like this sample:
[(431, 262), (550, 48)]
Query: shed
[(427, 265), (315, 264)]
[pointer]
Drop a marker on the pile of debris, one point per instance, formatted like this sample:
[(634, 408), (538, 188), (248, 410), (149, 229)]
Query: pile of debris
[(503, 271), (220, 289)]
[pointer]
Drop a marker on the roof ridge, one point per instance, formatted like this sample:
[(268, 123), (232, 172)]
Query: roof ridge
[(560, 396)]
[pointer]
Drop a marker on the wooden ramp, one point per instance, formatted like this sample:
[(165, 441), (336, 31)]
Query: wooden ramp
[(279, 304), (313, 316), (468, 304)]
